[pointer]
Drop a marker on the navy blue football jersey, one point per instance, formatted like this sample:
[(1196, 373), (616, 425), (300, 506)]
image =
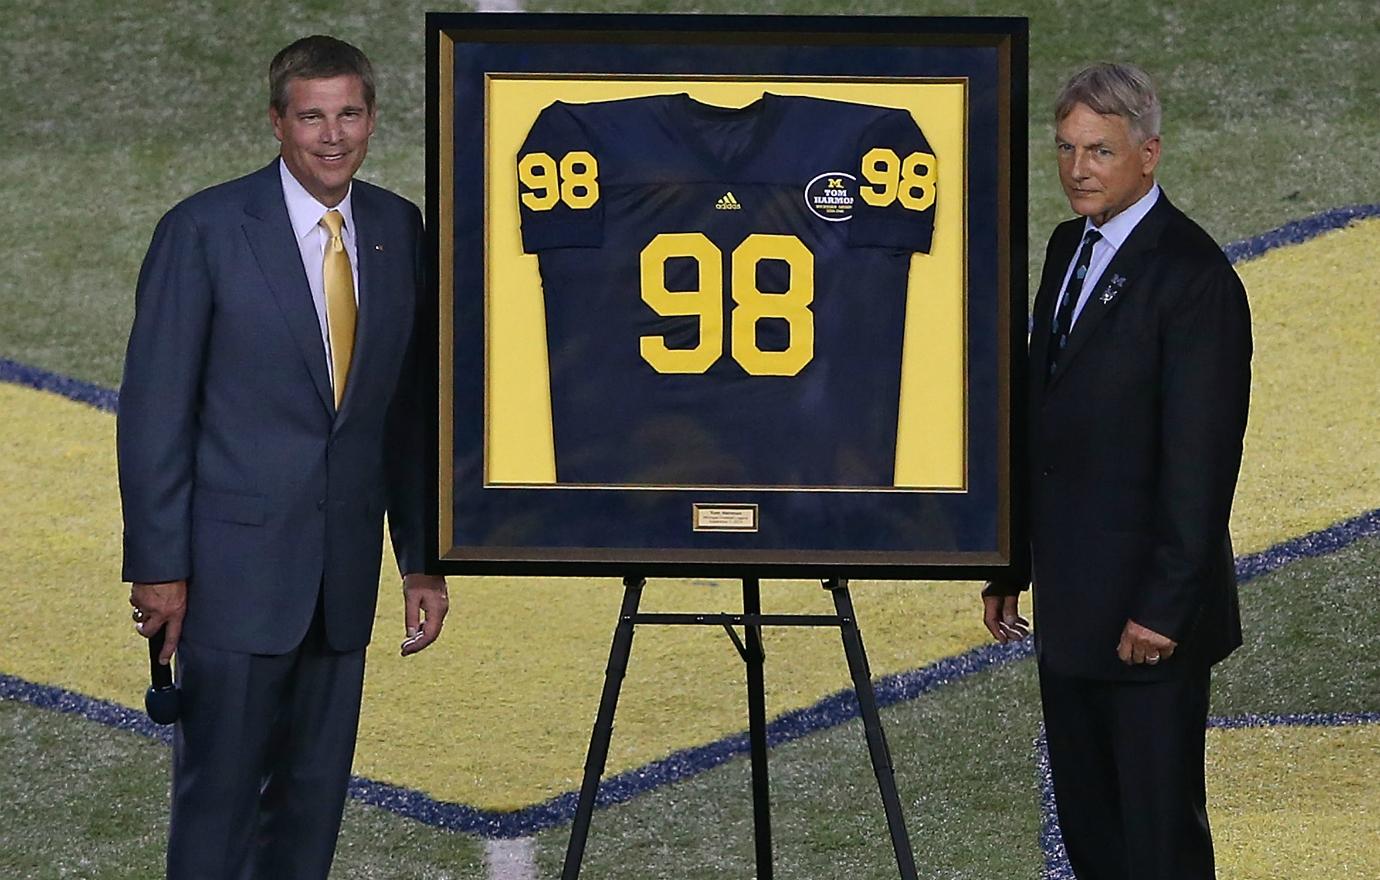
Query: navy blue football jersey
[(725, 288)]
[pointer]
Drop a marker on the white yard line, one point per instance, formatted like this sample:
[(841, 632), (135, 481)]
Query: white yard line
[(511, 859), (508, 859)]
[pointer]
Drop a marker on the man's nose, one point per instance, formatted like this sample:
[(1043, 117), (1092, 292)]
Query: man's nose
[(1080, 165), (330, 131)]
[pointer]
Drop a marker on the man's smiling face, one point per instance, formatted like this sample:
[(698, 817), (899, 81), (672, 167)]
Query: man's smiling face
[(324, 132)]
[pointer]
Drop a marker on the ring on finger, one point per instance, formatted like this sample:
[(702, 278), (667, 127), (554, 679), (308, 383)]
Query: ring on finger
[(1152, 659)]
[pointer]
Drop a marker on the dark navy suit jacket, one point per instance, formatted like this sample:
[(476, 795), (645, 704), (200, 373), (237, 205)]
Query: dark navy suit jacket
[(236, 471), (1134, 447)]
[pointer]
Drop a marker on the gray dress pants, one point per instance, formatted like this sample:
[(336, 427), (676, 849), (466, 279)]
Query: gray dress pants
[(261, 760)]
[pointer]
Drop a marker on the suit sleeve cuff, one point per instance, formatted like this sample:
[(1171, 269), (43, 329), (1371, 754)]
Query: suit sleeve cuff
[(1004, 588)]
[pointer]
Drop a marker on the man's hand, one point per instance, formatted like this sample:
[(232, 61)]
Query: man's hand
[(156, 606), (1002, 617), (425, 604), (1140, 644)]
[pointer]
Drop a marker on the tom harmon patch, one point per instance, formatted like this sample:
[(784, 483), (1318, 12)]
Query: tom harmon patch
[(830, 196)]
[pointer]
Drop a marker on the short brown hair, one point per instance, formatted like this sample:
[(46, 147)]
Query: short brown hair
[(1114, 90), (317, 57)]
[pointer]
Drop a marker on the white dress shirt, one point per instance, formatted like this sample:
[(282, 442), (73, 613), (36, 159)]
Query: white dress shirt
[(1114, 234), (305, 213)]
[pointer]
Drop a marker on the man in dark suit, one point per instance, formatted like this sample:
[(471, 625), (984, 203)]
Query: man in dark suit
[(268, 417), (1139, 384)]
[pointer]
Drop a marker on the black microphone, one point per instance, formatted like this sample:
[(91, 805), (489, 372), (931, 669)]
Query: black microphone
[(161, 701)]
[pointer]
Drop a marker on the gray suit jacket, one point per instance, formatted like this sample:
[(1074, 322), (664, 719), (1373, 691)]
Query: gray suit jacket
[(236, 471)]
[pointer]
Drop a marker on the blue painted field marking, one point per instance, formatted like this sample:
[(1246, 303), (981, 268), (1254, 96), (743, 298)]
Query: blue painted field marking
[(1293, 232), (56, 699), (1052, 841), (1298, 231), (103, 399), (829, 712)]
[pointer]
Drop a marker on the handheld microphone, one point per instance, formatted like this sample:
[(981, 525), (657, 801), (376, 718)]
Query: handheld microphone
[(161, 700)]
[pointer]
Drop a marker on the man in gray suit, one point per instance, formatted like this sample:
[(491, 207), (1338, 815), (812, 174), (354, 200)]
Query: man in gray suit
[(268, 416)]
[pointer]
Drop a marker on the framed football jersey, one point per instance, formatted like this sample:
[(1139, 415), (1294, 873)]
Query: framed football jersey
[(730, 294)]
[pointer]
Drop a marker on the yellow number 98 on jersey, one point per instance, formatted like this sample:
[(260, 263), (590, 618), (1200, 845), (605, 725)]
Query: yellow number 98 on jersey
[(911, 180), (751, 304), (574, 181)]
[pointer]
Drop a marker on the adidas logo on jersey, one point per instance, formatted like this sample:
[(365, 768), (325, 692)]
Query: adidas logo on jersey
[(728, 203)]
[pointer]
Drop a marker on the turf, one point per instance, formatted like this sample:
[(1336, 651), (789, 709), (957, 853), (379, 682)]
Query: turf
[(1314, 834), (115, 111), (1250, 140), (964, 756), (93, 804), (964, 762), (87, 803), (542, 643)]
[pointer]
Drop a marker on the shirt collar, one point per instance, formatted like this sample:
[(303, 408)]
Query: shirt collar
[(305, 212), (1116, 230)]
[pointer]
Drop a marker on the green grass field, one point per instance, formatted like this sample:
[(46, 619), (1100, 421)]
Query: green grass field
[(116, 111), (963, 756)]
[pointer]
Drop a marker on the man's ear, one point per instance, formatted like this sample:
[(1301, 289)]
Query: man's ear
[(1150, 155), (276, 121)]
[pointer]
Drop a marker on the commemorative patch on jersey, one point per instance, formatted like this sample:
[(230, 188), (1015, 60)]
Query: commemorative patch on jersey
[(830, 196)]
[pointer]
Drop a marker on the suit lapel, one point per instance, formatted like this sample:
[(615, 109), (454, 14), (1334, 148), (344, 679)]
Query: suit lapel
[(1115, 283), (275, 249)]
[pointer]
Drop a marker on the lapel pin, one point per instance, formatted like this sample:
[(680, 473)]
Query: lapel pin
[(1113, 286), (378, 247)]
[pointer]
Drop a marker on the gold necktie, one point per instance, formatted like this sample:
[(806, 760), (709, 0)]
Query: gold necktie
[(340, 302)]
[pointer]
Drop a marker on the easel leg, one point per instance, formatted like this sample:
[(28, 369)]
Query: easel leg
[(872, 726), (757, 730), (603, 727)]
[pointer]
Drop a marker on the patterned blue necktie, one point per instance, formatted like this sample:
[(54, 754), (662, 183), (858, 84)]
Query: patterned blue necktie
[(1063, 322)]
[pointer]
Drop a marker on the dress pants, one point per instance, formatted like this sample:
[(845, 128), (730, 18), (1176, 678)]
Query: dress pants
[(261, 760), (1127, 766)]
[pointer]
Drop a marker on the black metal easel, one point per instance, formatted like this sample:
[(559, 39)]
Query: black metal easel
[(752, 620)]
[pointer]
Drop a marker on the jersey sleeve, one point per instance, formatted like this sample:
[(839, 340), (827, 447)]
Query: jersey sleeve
[(897, 186), (558, 184)]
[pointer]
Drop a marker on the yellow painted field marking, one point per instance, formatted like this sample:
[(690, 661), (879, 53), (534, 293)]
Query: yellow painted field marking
[(497, 714), (1296, 802)]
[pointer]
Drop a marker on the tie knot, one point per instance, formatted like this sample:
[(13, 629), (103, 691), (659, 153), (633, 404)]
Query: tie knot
[(1092, 236), (334, 221)]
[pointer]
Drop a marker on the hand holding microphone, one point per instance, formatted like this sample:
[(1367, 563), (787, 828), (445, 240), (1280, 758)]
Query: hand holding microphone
[(158, 612), (160, 700)]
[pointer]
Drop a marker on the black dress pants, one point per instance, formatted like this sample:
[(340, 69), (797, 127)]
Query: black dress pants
[(261, 760), (1127, 766)]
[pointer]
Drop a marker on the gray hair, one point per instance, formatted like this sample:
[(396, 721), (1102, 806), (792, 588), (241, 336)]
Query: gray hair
[(1114, 89), (317, 57)]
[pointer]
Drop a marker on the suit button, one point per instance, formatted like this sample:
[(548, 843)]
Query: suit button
[(321, 504), (1048, 470)]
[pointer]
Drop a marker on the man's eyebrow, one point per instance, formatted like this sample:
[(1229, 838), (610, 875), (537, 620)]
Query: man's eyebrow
[(1089, 146)]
